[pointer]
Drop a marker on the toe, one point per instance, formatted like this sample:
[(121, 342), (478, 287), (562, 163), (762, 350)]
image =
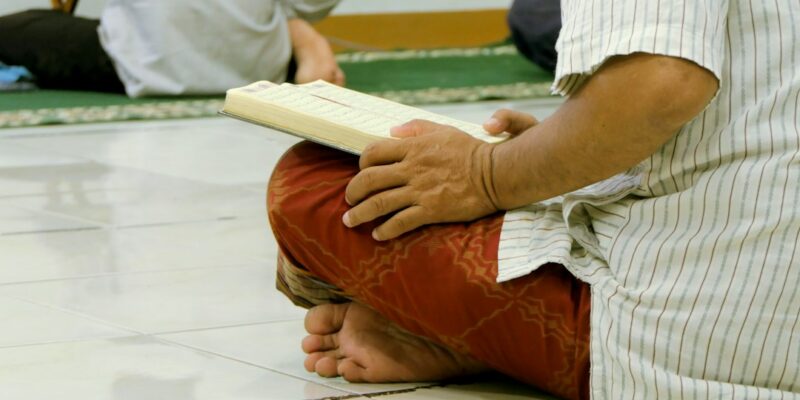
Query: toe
[(313, 343), (311, 361), (316, 360), (326, 367), (351, 371), (325, 319)]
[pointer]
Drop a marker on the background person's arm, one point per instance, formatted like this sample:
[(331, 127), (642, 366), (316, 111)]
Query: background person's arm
[(629, 108), (313, 53)]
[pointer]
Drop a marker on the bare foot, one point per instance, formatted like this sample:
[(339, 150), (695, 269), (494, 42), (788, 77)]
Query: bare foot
[(355, 342), (315, 59)]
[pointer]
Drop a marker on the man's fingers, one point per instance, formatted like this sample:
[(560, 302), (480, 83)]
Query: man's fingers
[(382, 152), (513, 122), (416, 127), (377, 206), (405, 221), (370, 180)]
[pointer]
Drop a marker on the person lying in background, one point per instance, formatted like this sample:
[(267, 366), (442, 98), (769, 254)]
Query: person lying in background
[(534, 26), (176, 47)]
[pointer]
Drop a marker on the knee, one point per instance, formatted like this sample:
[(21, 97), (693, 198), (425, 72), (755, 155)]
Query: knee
[(307, 185), (282, 182)]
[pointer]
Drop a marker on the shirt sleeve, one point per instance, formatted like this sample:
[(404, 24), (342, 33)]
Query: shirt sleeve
[(595, 30), (309, 10)]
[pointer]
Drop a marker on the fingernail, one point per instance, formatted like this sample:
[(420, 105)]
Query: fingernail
[(493, 122), (375, 235), (346, 220)]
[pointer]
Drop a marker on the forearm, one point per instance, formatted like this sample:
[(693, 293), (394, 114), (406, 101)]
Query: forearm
[(623, 114), (301, 33)]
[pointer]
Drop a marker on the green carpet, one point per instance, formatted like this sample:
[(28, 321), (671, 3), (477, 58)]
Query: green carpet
[(408, 76)]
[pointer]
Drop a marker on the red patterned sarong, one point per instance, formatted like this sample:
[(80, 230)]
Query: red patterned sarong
[(437, 282)]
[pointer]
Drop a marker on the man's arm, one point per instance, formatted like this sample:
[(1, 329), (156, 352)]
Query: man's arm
[(622, 114)]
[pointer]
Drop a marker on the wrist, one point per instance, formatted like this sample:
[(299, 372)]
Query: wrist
[(485, 161), (301, 33)]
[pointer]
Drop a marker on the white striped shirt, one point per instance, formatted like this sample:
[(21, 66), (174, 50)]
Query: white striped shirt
[(693, 255)]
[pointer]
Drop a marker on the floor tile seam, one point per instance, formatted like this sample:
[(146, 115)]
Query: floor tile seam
[(50, 231), (74, 218), (241, 265), (250, 363), (107, 323), (131, 330), (60, 191), (68, 341), (176, 223), (133, 334), (110, 227), (240, 325), (53, 130), (117, 188), (96, 223), (77, 314), (152, 224), (339, 388), (111, 127), (102, 160), (118, 227), (161, 173)]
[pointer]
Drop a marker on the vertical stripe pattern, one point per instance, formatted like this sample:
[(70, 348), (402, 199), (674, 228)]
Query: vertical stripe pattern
[(693, 255)]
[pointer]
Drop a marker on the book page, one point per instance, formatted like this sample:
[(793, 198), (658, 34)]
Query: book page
[(365, 113), (391, 113)]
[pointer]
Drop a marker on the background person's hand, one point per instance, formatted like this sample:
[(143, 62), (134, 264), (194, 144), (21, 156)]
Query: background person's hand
[(435, 173), (313, 53), (513, 122)]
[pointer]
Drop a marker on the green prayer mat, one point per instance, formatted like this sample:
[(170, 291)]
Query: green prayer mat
[(407, 76)]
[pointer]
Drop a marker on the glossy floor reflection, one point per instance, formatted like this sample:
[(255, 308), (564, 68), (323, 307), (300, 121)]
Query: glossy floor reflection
[(136, 263)]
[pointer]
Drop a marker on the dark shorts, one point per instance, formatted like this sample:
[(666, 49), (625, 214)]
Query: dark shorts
[(534, 26), (61, 50)]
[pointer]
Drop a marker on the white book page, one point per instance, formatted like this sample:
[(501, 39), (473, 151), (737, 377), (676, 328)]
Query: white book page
[(390, 113), (349, 108), (289, 97)]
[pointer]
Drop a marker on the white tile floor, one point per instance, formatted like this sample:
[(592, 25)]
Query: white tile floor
[(136, 263)]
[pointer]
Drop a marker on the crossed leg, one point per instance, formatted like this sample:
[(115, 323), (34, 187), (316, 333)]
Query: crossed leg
[(425, 306)]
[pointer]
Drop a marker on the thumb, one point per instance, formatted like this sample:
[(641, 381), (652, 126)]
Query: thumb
[(513, 122)]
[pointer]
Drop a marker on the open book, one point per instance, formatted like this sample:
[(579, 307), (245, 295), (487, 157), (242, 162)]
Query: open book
[(329, 114)]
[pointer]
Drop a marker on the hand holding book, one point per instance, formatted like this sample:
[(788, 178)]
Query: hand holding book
[(437, 174)]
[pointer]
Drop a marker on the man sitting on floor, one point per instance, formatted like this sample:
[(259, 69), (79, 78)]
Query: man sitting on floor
[(438, 255)]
